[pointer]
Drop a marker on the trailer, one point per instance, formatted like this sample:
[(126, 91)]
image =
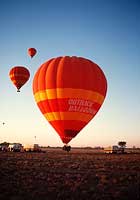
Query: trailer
[(15, 147), (32, 148), (112, 149)]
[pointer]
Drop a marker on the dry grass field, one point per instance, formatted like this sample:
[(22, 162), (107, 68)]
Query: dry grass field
[(78, 175)]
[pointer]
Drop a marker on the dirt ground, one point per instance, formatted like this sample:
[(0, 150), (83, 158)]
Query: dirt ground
[(78, 175)]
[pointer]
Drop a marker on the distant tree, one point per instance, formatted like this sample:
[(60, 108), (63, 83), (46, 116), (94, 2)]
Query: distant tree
[(4, 143), (122, 145)]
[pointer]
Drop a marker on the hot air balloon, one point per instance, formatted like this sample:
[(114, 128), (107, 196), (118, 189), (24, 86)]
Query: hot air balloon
[(32, 52), (19, 76), (69, 91)]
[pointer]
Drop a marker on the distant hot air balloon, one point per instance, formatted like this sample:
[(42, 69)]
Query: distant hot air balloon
[(19, 76), (69, 91), (32, 52)]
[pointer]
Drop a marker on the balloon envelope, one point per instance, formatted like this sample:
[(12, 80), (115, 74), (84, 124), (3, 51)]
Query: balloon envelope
[(69, 92), (32, 52), (19, 76)]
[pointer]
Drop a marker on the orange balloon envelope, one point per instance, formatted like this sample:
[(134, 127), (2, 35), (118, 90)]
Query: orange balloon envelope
[(69, 92), (32, 52), (19, 76)]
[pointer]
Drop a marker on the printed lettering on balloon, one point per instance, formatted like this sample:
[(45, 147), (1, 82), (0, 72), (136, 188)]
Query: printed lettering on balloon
[(81, 105)]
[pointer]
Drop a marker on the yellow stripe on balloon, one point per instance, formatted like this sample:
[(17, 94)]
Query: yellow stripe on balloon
[(14, 74), (68, 93), (52, 116)]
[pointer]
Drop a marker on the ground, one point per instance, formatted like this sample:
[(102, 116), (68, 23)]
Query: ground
[(77, 175)]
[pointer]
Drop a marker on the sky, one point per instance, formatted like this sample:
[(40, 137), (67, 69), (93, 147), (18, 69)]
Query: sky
[(106, 32)]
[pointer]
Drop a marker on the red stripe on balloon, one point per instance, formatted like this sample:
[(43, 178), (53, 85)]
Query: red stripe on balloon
[(68, 124), (60, 105)]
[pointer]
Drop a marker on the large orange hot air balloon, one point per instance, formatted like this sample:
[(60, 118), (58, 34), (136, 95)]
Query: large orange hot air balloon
[(32, 52), (69, 92), (19, 76)]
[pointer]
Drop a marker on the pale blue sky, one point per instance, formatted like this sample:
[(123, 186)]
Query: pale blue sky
[(105, 31)]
